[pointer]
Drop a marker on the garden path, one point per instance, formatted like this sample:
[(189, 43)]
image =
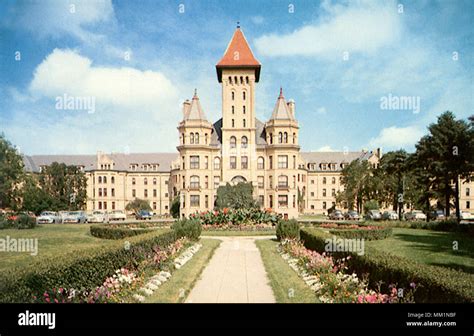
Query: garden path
[(235, 274)]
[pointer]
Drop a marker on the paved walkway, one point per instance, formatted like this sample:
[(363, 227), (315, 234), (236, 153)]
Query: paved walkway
[(235, 274)]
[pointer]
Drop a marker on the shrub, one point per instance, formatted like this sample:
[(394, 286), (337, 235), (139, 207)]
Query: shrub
[(113, 232), (25, 222), (372, 234), (190, 228), (5, 223), (435, 284), (82, 269), (288, 229), (371, 205)]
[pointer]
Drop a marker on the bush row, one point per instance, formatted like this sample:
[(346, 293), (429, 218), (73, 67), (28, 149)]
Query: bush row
[(288, 229), (450, 225), (190, 228), (106, 231), (21, 222), (435, 284), (84, 269), (376, 234)]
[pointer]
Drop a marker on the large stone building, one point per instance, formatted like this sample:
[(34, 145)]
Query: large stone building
[(236, 148)]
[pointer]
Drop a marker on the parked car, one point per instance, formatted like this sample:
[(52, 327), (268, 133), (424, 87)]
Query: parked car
[(144, 214), (49, 217), (336, 215), (76, 217), (437, 215), (117, 215), (390, 215), (63, 214), (415, 215), (97, 216), (373, 215), (352, 215), (465, 215)]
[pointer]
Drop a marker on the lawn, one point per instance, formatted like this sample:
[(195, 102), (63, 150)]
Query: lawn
[(53, 239), (180, 284), (287, 286), (430, 247), (216, 233)]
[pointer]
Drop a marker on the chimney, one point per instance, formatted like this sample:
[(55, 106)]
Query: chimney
[(291, 107)]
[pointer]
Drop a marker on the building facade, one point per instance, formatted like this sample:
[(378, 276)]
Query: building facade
[(236, 148)]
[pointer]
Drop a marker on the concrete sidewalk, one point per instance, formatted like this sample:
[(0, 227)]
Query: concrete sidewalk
[(235, 274)]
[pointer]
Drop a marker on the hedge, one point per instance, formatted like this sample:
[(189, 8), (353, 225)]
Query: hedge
[(107, 231), (435, 284), (375, 234), (84, 269), (288, 229), (190, 228)]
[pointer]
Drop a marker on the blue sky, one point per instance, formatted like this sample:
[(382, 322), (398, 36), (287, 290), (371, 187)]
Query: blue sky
[(141, 59)]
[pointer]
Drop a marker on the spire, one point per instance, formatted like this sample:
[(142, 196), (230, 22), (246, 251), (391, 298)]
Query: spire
[(238, 55), (195, 111), (281, 110)]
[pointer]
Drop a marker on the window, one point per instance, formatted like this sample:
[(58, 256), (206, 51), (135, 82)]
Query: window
[(112, 180), (244, 162), (271, 138), (134, 193), (206, 162), (145, 181), (270, 182), (196, 139), (270, 160), (134, 181), (154, 181), (282, 161), (154, 193), (194, 200), (243, 93), (194, 182), (233, 162), (233, 109), (312, 181), (113, 205), (283, 181), (312, 207), (294, 140), (105, 205), (206, 182), (261, 183), (206, 201), (205, 138), (100, 192), (468, 204), (270, 201), (324, 192), (243, 109), (191, 139), (280, 137), (233, 123), (216, 182), (145, 193), (261, 199), (333, 192), (194, 162), (154, 205), (333, 181), (468, 192), (100, 205), (294, 161), (260, 163), (233, 142), (112, 192), (233, 95), (324, 205), (294, 181), (283, 201), (244, 142), (324, 180), (184, 162), (105, 179), (244, 123), (285, 137), (217, 163), (99, 179), (294, 201)]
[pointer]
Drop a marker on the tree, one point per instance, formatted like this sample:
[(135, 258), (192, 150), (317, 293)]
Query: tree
[(239, 196), (393, 168), (65, 184), (138, 204), (175, 207), (11, 174), (35, 198), (358, 187)]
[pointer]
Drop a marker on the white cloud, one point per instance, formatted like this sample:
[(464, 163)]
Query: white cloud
[(362, 28), (326, 148), (397, 137)]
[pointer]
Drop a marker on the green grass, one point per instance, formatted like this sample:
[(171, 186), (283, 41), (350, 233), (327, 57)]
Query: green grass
[(430, 247), (177, 288), (237, 233), (283, 279)]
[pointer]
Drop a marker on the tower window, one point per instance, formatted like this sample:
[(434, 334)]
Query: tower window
[(243, 94), (247, 79), (294, 138), (233, 123), (271, 138), (191, 138), (285, 137), (233, 108), (244, 123), (230, 79), (233, 95), (243, 109), (280, 137), (244, 141), (233, 142), (196, 139)]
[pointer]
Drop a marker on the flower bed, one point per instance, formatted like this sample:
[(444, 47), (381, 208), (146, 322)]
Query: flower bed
[(330, 281), (231, 227), (436, 284), (238, 217)]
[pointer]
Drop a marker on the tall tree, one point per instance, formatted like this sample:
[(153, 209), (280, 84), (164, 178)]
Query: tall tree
[(11, 174), (393, 169), (237, 196), (358, 187)]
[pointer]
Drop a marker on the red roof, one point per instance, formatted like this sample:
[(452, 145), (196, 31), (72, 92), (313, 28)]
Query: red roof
[(238, 55)]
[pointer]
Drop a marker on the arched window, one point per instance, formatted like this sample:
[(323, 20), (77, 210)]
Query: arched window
[(285, 137), (196, 139), (333, 180), (233, 123), (260, 163), (233, 109), (99, 179), (145, 181), (235, 80), (217, 163), (244, 94), (247, 79), (280, 137), (134, 181), (241, 80), (244, 141), (191, 138), (230, 79), (233, 95), (271, 138), (324, 180), (112, 180), (244, 123), (194, 182), (243, 109), (283, 181), (205, 138), (294, 138), (233, 142)]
